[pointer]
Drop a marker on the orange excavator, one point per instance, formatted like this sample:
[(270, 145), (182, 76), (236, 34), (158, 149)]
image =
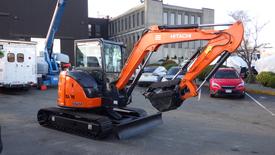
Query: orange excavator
[(92, 102)]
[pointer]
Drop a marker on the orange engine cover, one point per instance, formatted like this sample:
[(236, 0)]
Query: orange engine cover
[(72, 95)]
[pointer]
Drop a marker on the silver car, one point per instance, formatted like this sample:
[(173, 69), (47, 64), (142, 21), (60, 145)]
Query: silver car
[(172, 72), (151, 74)]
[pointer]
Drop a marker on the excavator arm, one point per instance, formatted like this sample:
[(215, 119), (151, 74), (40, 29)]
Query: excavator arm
[(220, 42)]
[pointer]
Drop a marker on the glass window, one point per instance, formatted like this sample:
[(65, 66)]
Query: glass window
[(11, 57), (126, 22), (129, 26), (199, 20), (172, 19), (165, 18), (142, 17), (118, 26), (122, 24), (180, 45), (134, 21), (113, 58), (138, 19), (97, 30), (226, 74), (20, 57), (89, 30), (186, 19), (173, 45), (88, 54), (192, 20), (179, 21)]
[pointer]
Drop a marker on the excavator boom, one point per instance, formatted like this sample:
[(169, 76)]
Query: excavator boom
[(219, 42)]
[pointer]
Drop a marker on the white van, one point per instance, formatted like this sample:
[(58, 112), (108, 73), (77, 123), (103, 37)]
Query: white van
[(17, 64)]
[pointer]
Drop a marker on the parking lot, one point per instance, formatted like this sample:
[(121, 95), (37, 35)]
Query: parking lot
[(206, 126)]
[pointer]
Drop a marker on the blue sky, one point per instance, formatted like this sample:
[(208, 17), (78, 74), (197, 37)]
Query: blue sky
[(260, 10)]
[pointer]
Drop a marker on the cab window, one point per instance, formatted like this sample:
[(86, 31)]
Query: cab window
[(113, 58)]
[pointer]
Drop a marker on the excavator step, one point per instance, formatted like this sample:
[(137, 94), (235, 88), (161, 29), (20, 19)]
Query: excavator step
[(98, 125)]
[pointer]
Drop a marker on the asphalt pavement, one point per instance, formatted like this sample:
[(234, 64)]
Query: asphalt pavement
[(207, 126)]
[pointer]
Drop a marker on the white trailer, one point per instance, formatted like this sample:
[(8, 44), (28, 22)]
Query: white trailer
[(17, 64)]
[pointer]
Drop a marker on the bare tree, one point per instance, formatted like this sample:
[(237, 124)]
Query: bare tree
[(250, 45)]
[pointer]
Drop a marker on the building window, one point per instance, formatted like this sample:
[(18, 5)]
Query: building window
[(112, 25), (165, 18), (122, 24), (173, 45), (186, 19), (179, 45), (172, 19), (134, 39), (115, 27), (138, 19), (192, 20), (11, 57), (20, 57), (126, 22), (179, 21), (198, 20), (97, 30), (129, 26), (134, 21), (185, 45), (118, 26), (89, 30), (142, 17)]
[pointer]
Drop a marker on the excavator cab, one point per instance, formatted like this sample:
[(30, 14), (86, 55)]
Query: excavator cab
[(100, 53)]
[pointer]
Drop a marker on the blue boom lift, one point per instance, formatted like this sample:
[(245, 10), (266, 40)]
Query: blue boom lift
[(51, 78)]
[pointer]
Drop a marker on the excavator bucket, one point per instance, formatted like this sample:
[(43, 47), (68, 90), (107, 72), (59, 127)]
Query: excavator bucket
[(137, 126), (164, 95)]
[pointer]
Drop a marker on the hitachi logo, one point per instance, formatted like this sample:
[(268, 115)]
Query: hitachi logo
[(180, 35)]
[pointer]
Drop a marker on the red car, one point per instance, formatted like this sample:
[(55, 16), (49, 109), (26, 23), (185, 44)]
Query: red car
[(227, 82)]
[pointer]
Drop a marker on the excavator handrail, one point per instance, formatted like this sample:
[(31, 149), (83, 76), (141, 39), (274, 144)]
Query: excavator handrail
[(218, 42)]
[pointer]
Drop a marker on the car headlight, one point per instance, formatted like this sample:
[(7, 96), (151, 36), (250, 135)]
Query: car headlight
[(241, 84), (164, 79), (215, 85)]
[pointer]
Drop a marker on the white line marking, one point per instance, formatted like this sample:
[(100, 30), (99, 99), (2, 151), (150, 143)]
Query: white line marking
[(260, 104), (199, 96)]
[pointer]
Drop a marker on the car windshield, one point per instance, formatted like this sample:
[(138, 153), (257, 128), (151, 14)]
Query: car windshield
[(174, 71), (226, 74), (149, 69)]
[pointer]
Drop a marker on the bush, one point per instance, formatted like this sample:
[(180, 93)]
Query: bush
[(264, 78), (169, 63), (154, 64), (251, 78), (271, 82)]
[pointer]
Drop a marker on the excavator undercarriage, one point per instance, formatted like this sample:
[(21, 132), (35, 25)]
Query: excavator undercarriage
[(98, 123)]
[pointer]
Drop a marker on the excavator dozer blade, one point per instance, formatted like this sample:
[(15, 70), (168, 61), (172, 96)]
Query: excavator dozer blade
[(137, 126)]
